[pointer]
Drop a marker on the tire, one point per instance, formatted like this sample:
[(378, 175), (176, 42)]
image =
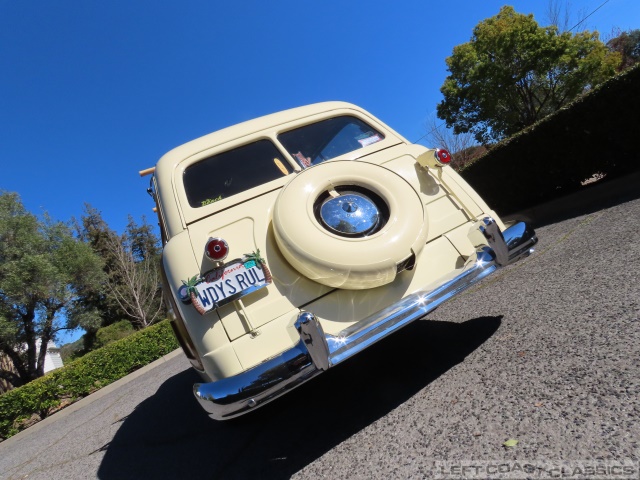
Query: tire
[(345, 253)]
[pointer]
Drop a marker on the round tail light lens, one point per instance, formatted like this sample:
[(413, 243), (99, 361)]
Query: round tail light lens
[(216, 249), (443, 156)]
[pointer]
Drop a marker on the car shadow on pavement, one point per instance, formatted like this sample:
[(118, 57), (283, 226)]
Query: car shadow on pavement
[(169, 436)]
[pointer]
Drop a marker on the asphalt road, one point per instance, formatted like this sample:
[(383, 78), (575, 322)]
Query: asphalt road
[(546, 352)]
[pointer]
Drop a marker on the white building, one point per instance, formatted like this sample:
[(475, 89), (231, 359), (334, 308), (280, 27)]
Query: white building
[(53, 359)]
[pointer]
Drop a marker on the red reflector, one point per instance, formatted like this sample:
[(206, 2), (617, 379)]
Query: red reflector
[(443, 156), (216, 249)]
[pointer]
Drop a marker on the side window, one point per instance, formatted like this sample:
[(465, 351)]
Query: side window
[(234, 171)]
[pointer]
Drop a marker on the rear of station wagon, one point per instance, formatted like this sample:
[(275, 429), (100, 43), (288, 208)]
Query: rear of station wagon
[(296, 240)]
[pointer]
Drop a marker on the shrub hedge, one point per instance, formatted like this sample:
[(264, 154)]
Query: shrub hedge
[(104, 336), (595, 134), (23, 406), (113, 332)]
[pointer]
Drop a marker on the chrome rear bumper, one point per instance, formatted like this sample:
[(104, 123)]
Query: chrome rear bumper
[(317, 351)]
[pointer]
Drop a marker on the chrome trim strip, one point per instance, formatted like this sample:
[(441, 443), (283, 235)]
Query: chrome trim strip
[(317, 351)]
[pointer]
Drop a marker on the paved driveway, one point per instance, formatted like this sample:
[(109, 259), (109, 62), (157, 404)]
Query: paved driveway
[(546, 352)]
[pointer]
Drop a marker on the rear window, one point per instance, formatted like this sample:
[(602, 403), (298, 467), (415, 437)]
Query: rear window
[(328, 139), (225, 174)]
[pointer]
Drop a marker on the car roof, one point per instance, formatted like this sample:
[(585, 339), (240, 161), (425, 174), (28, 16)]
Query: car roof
[(249, 127)]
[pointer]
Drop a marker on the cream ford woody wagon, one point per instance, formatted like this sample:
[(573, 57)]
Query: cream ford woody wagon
[(296, 240)]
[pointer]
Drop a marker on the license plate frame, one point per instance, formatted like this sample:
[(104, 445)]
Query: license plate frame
[(223, 285)]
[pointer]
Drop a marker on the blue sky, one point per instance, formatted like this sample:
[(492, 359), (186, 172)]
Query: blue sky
[(91, 92)]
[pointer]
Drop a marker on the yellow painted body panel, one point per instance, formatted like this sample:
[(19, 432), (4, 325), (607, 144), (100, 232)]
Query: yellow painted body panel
[(342, 308), (206, 331)]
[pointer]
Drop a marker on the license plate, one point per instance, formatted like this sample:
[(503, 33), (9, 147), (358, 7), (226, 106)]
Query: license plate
[(223, 285)]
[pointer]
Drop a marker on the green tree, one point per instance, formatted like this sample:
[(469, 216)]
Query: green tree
[(92, 229), (43, 269), (514, 72), (627, 44), (144, 244)]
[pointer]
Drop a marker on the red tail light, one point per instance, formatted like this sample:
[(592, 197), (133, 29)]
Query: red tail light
[(216, 249), (443, 156)]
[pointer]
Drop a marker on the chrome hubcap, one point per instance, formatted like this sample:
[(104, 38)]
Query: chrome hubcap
[(350, 214)]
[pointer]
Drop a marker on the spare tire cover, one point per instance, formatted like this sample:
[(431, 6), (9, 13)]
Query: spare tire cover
[(320, 228)]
